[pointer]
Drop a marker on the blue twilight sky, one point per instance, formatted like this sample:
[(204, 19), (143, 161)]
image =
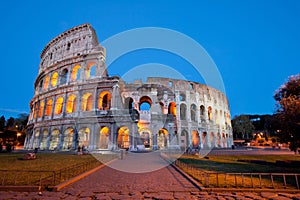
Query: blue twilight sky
[(254, 43)]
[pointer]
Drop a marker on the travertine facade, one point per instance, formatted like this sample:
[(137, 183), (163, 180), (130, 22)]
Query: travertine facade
[(76, 104)]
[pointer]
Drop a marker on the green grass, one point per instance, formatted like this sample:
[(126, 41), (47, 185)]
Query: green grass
[(228, 164), (61, 166)]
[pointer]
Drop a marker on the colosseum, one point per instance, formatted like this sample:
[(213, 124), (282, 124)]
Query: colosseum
[(77, 104)]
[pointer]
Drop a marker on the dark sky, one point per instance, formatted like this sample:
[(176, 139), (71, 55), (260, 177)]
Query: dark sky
[(254, 44)]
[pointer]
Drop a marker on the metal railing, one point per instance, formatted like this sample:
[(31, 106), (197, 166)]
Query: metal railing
[(241, 180), (43, 178)]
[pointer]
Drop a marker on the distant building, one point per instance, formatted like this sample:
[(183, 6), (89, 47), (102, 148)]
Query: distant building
[(76, 103)]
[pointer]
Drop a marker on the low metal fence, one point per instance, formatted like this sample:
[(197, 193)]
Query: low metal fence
[(241, 180), (43, 178)]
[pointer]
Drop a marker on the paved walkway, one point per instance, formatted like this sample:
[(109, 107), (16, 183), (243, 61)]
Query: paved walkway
[(134, 178)]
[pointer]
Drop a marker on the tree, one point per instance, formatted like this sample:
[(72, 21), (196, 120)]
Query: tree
[(10, 122), (2, 122), (288, 111), (242, 126), (21, 121)]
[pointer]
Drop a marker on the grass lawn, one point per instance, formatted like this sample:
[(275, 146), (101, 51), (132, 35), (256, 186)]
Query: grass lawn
[(230, 164), (217, 168), (65, 166)]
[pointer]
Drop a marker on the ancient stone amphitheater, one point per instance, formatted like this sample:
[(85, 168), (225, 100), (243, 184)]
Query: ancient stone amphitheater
[(76, 103)]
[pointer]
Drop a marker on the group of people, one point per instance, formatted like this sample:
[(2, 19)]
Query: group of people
[(82, 150)]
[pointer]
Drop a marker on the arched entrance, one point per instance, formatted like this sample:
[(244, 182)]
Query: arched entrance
[(44, 138), (68, 139), (54, 139), (184, 139), (204, 139), (162, 139), (146, 139), (36, 139), (103, 138), (83, 137), (195, 139), (123, 137)]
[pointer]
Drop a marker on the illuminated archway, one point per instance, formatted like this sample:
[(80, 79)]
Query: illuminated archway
[(36, 139), (44, 138), (212, 139), (146, 137), (64, 76), (87, 102), (104, 101), (204, 139), (54, 139), (84, 137), (41, 110), (104, 138), (145, 103), (46, 83), (54, 79), (75, 75), (71, 104), (123, 137), (184, 139), (48, 107), (209, 112), (162, 139), (68, 139), (58, 105), (90, 71), (195, 139), (172, 108)]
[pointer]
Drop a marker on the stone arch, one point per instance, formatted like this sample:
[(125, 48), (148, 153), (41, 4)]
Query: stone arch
[(54, 79), (182, 96), (146, 137), (90, 71), (209, 113), (71, 104), (224, 140), (68, 139), (36, 140), (172, 108), (46, 83), (184, 139), (104, 100), (58, 105), (145, 103), (44, 138), (219, 143), (193, 112), (103, 137), (54, 139), (64, 76), (163, 138), (182, 111), (49, 107), (204, 139), (75, 75), (41, 110), (212, 139), (202, 111), (129, 103), (195, 139), (87, 102), (84, 137), (123, 137)]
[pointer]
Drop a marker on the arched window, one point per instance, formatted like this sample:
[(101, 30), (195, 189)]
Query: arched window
[(58, 105), (36, 110), (193, 112), (87, 102), (172, 108), (71, 104), (202, 110), (41, 86), (48, 107), (54, 79), (42, 104), (123, 137), (75, 76), (90, 70), (195, 139), (182, 97), (68, 138), (183, 112), (104, 101), (64, 76), (104, 132), (129, 103), (145, 103), (46, 83), (209, 113)]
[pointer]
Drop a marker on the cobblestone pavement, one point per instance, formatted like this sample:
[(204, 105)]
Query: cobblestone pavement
[(164, 183)]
